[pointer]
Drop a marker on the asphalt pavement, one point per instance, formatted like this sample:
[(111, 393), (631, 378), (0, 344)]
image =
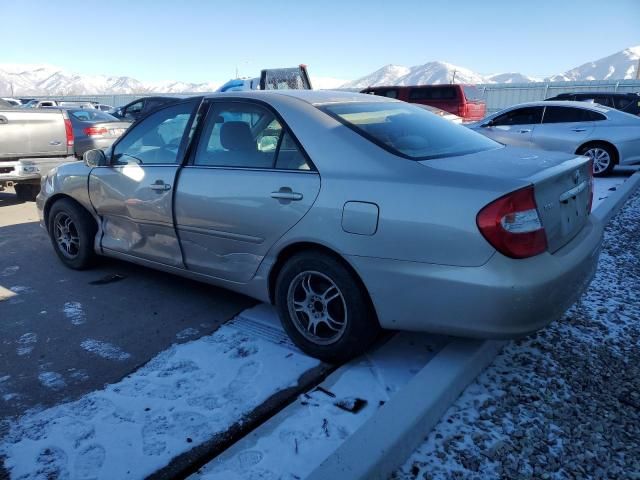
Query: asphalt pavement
[(65, 333)]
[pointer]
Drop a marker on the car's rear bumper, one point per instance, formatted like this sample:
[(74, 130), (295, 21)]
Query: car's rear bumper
[(500, 299)]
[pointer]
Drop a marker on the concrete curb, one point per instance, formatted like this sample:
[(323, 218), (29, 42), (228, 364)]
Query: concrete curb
[(613, 203), (380, 446)]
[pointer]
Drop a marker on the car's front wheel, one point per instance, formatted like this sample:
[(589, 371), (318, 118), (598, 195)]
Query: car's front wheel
[(324, 308), (72, 231)]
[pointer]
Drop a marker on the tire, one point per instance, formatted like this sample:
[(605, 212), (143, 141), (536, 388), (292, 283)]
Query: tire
[(26, 192), (604, 158), (69, 221), (314, 284)]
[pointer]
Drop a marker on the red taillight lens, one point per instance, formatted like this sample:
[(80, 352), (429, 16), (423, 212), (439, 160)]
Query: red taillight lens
[(68, 128), (511, 224), (95, 131)]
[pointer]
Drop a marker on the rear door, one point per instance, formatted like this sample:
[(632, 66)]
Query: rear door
[(514, 127), (248, 182), (564, 128), (32, 133), (134, 194)]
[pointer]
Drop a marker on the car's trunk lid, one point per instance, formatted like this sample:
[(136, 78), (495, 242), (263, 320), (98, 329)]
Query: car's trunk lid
[(562, 184)]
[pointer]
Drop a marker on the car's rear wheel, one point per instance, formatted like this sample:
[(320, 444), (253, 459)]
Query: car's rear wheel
[(26, 192), (324, 308), (72, 231), (603, 157)]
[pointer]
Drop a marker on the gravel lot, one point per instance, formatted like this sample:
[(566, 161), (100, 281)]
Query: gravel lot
[(561, 404)]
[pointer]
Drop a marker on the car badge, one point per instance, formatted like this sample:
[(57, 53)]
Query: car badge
[(576, 177)]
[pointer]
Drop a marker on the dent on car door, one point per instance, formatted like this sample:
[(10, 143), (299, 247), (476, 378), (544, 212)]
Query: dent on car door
[(565, 128), (247, 184), (133, 195), (514, 127)]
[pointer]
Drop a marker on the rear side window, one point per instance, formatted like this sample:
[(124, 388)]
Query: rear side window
[(570, 115), (407, 130), (433, 93), (471, 93), (627, 103), (519, 116)]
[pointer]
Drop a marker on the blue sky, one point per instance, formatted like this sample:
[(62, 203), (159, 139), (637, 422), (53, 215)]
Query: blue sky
[(197, 40)]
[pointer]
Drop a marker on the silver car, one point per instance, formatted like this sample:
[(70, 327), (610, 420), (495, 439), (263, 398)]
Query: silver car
[(609, 137), (350, 212)]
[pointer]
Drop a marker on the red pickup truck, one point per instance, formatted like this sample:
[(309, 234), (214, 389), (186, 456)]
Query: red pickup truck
[(462, 100)]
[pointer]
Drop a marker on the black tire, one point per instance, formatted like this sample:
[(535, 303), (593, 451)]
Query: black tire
[(26, 192), (360, 327), (80, 254), (591, 149)]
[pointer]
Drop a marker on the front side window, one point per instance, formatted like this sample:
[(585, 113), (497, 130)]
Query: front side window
[(519, 116), (133, 110), (156, 139), (245, 135), (407, 130)]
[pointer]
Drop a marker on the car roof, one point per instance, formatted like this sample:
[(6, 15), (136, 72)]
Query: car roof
[(613, 94), (314, 97), (564, 103)]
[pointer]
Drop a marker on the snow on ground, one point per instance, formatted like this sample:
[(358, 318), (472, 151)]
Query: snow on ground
[(603, 187), (563, 403), (181, 398), (295, 442)]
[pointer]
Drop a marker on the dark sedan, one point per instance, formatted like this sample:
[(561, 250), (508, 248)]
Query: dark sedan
[(94, 129)]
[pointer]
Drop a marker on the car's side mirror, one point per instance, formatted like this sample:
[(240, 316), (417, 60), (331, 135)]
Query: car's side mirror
[(95, 158), (488, 124)]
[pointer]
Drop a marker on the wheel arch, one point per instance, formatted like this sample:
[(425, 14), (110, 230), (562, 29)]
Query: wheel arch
[(59, 196), (590, 143), (292, 249)]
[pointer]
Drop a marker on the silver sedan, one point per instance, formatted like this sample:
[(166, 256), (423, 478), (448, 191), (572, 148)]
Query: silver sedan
[(608, 136), (350, 213)]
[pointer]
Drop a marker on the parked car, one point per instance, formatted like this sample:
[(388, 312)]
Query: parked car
[(94, 129), (625, 102), (40, 103), (464, 101), (11, 101), (441, 113), (607, 136), (33, 142), (102, 107), (134, 110), (5, 104), (420, 224)]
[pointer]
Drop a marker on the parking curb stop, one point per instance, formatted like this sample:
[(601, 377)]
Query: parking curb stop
[(385, 441), (613, 203)]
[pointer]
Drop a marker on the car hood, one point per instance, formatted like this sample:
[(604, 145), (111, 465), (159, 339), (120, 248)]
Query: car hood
[(502, 162)]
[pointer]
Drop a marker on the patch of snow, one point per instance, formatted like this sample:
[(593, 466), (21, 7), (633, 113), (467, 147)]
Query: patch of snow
[(26, 343), (9, 271), (181, 398), (52, 380), (74, 312), (105, 349), (186, 333), (21, 289)]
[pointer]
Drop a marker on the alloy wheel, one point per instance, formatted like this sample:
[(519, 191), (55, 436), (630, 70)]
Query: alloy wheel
[(317, 307), (601, 159), (66, 235)]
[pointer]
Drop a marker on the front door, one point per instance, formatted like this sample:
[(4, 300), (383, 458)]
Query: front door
[(133, 195), (514, 127), (247, 184)]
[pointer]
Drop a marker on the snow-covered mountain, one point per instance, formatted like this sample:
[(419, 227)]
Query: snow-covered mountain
[(25, 80), (621, 65)]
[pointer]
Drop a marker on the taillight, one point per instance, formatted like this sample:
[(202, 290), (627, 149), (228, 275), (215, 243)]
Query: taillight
[(462, 110), (68, 128), (95, 131), (590, 204), (511, 224)]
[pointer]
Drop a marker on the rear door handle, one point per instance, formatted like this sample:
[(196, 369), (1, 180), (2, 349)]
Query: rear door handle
[(578, 129), (160, 186), (524, 131), (285, 193)]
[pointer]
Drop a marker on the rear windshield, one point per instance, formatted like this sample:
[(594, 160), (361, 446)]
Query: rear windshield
[(86, 115), (472, 93), (407, 130)]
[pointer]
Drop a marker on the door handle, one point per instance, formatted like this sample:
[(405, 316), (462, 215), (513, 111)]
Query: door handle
[(160, 186), (524, 130), (285, 193), (578, 129)]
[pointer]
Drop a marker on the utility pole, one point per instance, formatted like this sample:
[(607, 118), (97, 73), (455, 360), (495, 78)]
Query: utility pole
[(638, 70), (453, 78)]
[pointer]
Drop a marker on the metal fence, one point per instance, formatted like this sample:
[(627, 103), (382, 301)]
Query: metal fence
[(497, 95)]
